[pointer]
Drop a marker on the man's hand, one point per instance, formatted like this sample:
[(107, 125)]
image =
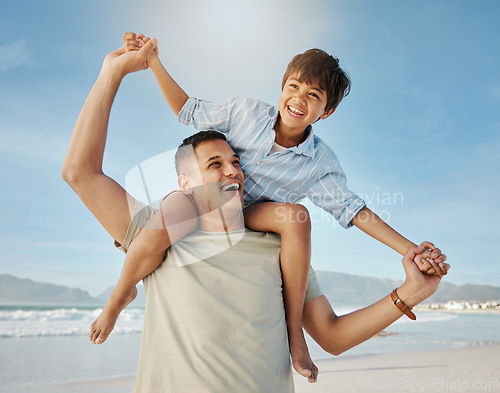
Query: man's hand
[(123, 61), (418, 286), (431, 261)]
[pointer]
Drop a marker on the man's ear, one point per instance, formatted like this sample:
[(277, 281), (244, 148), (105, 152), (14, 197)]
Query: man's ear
[(327, 113), (184, 182)]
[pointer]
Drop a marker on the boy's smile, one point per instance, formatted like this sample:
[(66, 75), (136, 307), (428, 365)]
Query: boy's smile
[(300, 105)]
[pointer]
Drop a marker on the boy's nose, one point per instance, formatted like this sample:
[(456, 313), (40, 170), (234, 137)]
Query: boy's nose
[(300, 97)]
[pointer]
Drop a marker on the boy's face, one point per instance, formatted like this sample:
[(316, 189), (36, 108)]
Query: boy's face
[(301, 103)]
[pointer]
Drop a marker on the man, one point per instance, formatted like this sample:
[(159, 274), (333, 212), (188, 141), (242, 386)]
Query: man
[(245, 352)]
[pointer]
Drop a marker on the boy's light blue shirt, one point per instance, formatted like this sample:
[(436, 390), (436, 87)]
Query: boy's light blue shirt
[(309, 170)]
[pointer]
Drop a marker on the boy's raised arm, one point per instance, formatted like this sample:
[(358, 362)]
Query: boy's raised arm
[(176, 97), (173, 93)]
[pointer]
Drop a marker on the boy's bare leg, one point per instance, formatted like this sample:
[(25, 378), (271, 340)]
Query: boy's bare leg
[(175, 219), (292, 222)]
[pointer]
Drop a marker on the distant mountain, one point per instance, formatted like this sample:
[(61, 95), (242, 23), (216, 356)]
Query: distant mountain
[(14, 291), (467, 292), (343, 288), (340, 288), (140, 300)]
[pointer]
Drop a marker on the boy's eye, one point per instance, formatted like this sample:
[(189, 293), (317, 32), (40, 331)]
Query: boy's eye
[(293, 86), (314, 95)]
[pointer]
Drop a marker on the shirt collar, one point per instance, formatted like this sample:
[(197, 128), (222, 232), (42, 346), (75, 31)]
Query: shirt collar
[(306, 148)]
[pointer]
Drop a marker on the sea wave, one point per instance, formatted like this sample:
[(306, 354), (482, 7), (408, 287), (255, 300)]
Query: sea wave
[(63, 322), (425, 317), (422, 317)]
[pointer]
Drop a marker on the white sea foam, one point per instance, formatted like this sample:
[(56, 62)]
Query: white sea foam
[(424, 317), (62, 322)]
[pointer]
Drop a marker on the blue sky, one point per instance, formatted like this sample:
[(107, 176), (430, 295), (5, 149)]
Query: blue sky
[(418, 136)]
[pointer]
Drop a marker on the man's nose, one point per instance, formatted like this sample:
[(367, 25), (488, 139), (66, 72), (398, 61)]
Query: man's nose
[(230, 170)]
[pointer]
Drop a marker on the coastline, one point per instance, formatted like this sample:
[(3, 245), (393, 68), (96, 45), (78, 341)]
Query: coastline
[(47, 351), (475, 306), (470, 368), (458, 311)]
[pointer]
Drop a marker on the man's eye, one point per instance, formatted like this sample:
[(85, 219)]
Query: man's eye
[(237, 163), (215, 163)]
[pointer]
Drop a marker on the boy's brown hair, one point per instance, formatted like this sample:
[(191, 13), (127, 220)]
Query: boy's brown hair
[(315, 65)]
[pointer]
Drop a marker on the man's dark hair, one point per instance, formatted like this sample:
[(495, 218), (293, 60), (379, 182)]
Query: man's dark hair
[(186, 149), (315, 65)]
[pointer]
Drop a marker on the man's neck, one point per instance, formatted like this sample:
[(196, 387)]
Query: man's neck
[(287, 136), (222, 220)]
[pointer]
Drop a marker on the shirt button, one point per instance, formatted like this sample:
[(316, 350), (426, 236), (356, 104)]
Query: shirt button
[(258, 163)]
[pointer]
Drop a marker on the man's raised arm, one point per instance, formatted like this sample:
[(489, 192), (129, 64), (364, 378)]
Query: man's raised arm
[(336, 334), (82, 168)]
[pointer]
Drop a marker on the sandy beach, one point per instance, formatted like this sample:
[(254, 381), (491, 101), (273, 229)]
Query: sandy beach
[(470, 369), (473, 368)]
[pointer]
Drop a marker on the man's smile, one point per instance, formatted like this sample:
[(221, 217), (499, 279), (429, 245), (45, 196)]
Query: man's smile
[(232, 186)]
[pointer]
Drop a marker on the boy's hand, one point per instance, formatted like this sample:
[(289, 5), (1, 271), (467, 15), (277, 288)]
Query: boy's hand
[(431, 261), (122, 62), (418, 286), (134, 42)]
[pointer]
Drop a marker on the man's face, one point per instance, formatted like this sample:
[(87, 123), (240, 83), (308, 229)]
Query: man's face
[(301, 103), (220, 174)]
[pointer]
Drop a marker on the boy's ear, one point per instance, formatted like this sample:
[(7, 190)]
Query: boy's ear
[(185, 184), (327, 113)]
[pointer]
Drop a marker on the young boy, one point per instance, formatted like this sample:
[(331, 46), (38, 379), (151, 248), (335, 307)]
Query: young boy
[(283, 162)]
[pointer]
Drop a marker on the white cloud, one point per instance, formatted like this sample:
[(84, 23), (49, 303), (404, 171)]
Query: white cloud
[(15, 55)]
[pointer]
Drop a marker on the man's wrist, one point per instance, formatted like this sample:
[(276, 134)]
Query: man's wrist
[(411, 295), (110, 78)]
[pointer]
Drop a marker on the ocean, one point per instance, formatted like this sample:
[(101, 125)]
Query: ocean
[(46, 349)]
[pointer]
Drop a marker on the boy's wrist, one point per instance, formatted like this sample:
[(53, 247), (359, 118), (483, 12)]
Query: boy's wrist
[(153, 59)]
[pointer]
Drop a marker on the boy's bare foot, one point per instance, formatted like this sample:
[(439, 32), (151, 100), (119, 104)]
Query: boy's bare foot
[(301, 360), (105, 322)]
